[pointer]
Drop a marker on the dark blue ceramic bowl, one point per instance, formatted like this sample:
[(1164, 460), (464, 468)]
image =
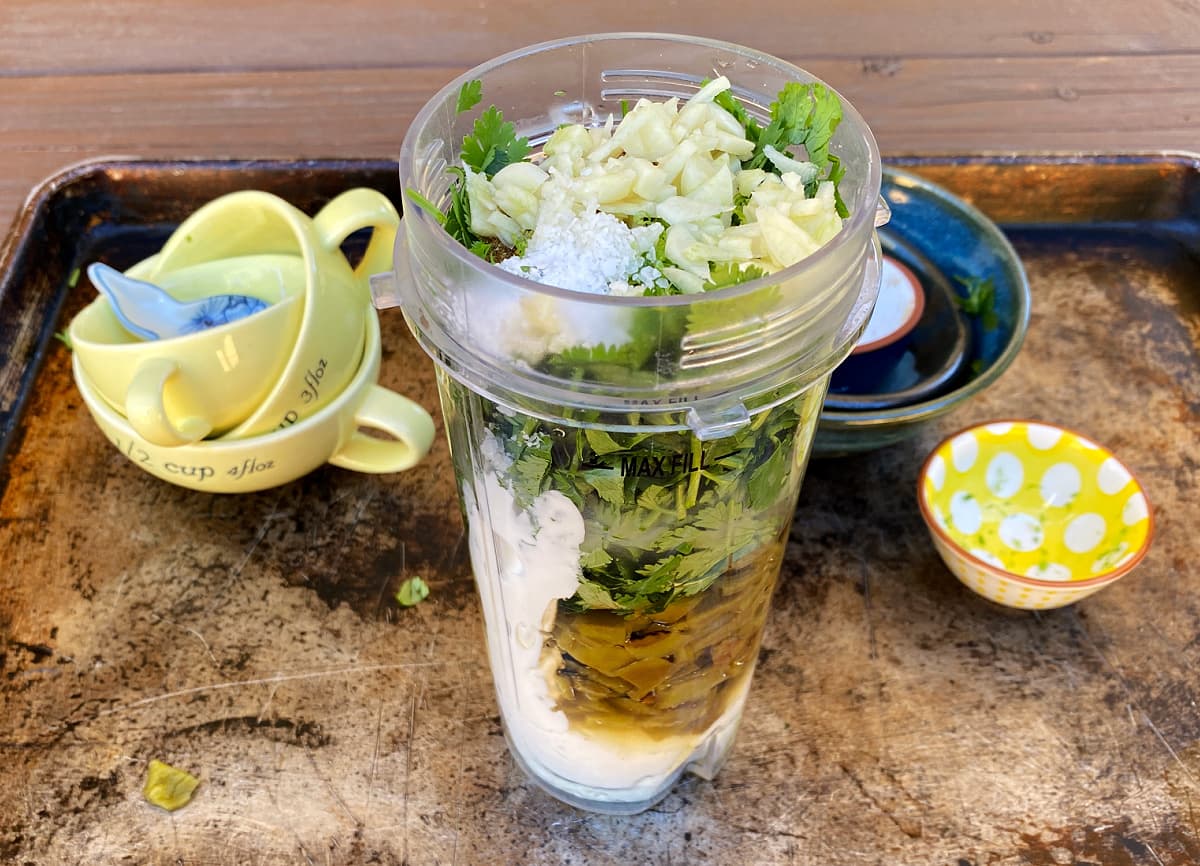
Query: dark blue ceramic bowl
[(962, 244), (928, 360)]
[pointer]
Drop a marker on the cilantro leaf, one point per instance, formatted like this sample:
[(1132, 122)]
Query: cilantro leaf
[(458, 213), (720, 532), (802, 114), (636, 359), (469, 95), (412, 592), (609, 485), (426, 205), (766, 481), (740, 200), (601, 442), (490, 146), (980, 300), (724, 274), (595, 597), (493, 143), (649, 542), (719, 315), (836, 172), (820, 123), (530, 467)]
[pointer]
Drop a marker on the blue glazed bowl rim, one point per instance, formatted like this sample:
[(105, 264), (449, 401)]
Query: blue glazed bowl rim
[(1010, 262)]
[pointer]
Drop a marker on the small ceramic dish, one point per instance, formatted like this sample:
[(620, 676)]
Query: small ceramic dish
[(898, 308), (962, 244), (1031, 515), (923, 360)]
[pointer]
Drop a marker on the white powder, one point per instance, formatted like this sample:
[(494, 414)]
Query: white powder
[(575, 246), (524, 562)]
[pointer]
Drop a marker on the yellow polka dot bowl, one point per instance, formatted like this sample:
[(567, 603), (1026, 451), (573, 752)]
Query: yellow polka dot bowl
[(1031, 515)]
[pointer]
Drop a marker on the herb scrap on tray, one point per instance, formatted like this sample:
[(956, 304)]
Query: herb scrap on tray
[(979, 301)]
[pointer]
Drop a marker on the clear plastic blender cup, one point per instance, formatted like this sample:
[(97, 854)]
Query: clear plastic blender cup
[(628, 467)]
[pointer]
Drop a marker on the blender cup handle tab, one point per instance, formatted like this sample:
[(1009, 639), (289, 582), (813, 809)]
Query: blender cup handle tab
[(864, 304), (359, 209), (710, 422), (385, 285), (883, 212), (385, 291), (384, 411)]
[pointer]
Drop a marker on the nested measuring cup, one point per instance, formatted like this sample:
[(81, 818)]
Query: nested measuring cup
[(627, 500)]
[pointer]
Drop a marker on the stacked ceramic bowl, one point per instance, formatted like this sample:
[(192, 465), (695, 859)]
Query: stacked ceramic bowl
[(260, 400), (952, 313)]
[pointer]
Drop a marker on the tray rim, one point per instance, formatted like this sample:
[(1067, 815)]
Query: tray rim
[(70, 173), (20, 238)]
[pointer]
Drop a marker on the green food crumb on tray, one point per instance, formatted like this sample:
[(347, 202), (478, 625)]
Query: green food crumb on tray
[(167, 787), (413, 591)]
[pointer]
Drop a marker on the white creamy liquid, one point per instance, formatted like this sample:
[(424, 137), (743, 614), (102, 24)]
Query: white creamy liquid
[(524, 562)]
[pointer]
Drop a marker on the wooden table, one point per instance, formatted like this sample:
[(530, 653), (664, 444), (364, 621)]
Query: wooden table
[(419, 774), (228, 78)]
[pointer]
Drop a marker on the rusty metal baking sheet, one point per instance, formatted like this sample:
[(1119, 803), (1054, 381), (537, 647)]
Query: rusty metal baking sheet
[(895, 717)]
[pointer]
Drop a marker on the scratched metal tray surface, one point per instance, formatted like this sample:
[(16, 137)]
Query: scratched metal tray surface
[(895, 717)]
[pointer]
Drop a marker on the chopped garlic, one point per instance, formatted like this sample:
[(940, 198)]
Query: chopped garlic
[(680, 164)]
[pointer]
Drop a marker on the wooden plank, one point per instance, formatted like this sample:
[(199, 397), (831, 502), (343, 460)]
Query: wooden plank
[(81, 36), (1097, 104)]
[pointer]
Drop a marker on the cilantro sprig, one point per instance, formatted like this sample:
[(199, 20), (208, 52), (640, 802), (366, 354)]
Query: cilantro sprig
[(802, 115), (491, 145), (979, 301)]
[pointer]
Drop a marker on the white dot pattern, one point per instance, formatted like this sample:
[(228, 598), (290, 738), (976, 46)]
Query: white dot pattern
[(1060, 517), (1060, 484), (1022, 532), (965, 513), (1043, 438), (936, 473), (963, 451), (1084, 532), (1112, 476), (987, 556), (1004, 591), (1005, 475), (1135, 509), (1110, 559), (1049, 571)]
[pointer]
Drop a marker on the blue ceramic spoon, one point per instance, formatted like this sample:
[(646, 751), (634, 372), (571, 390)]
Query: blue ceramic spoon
[(149, 312)]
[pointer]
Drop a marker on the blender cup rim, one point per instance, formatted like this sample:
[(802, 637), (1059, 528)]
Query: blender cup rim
[(864, 203)]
